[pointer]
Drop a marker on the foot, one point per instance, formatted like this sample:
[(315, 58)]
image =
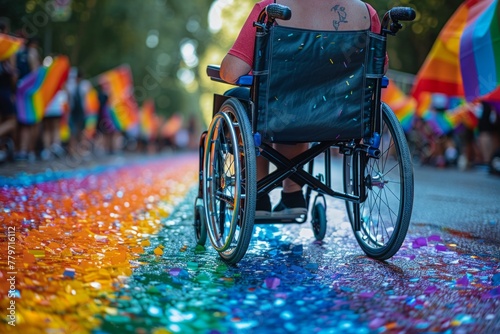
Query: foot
[(263, 207), (292, 205)]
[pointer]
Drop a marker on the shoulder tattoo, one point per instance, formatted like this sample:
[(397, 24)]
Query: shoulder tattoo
[(340, 16)]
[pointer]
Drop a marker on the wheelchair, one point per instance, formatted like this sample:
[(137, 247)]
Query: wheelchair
[(345, 113)]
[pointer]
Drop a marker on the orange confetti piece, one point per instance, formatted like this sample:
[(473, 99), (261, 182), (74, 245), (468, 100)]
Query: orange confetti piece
[(28, 258), (158, 251), (137, 250), (118, 258)]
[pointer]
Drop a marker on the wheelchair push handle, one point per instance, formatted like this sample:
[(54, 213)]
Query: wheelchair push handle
[(395, 15), (272, 12), (280, 12), (402, 14)]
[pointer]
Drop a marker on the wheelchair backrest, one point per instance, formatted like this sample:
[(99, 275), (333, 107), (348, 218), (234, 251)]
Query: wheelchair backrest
[(316, 85)]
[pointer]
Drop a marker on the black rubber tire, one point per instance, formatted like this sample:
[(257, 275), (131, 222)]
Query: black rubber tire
[(200, 229), (386, 211), (318, 221), (230, 181)]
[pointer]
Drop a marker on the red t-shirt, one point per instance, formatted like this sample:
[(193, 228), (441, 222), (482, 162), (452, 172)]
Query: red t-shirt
[(243, 47)]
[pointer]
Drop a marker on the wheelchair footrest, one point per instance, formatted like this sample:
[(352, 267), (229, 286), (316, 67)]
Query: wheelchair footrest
[(275, 219)]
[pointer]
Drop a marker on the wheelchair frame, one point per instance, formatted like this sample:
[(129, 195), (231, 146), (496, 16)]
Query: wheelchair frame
[(228, 189)]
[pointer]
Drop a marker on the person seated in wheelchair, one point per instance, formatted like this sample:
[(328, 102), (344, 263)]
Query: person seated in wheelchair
[(341, 15)]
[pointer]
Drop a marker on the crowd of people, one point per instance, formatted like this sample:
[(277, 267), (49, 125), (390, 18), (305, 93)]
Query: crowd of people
[(469, 143), (65, 129)]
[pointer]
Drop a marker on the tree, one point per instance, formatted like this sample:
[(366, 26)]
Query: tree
[(408, 50)]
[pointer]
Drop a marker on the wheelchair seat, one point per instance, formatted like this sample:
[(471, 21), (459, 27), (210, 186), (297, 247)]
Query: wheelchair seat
[(322, 88)]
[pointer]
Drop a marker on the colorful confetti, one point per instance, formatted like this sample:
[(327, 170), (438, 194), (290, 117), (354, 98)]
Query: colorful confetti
[(103, 254)]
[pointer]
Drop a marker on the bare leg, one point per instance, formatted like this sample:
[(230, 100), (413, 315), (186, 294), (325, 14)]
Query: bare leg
[(24, 138), (7, 126), (262, 167), (291, 151), (46, 133)]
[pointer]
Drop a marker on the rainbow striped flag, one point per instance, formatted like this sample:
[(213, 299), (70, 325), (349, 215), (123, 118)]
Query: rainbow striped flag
[(9, 45), (149, 121), (36, 90), (441, 122), (91, 110), (464, 60), (440, 72), (480, 51), (118, 84), (172, 125), (403, 106), (463, 115)]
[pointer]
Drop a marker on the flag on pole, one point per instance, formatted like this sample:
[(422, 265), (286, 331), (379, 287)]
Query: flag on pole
[(440, 72), (9, 46), (91, 110), (149, 122), (480, 51), (118, 84), (404, 106), (36, 90), (465, 59)]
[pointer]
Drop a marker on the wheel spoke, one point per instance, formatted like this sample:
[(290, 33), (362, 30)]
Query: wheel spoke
[(385, 212)]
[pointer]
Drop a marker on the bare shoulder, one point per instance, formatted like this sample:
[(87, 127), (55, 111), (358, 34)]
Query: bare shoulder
[(328, 15)]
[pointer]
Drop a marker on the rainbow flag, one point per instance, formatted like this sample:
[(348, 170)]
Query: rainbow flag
[(172, 126), (440, 72), (463, 115), (480, 51), (149, 122), (118, 84), (36, 90), (65, 131), (440, 122), (403, 106), (463, 60), (9, 45), (91, 109)]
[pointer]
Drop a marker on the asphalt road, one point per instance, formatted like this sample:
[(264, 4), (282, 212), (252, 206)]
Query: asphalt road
[(467, 201)]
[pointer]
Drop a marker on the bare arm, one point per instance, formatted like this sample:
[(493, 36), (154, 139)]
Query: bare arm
[(232, 68)]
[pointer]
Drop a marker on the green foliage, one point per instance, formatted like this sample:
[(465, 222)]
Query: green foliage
[(408, 50)]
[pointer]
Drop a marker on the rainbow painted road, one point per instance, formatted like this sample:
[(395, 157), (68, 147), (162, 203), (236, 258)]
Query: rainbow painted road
[(110, 249)]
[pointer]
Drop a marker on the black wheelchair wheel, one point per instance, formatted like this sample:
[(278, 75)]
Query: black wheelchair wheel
[(318, 221), (386, 210), (230, 181), (200, 229)]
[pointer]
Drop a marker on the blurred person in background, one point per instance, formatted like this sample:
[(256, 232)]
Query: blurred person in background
[(105, 126), (8, 80), (28, 60), (488, 131), (77, 88), (51, 125)]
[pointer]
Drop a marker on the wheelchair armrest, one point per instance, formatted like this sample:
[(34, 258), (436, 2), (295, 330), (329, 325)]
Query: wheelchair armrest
[(213, 71)]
